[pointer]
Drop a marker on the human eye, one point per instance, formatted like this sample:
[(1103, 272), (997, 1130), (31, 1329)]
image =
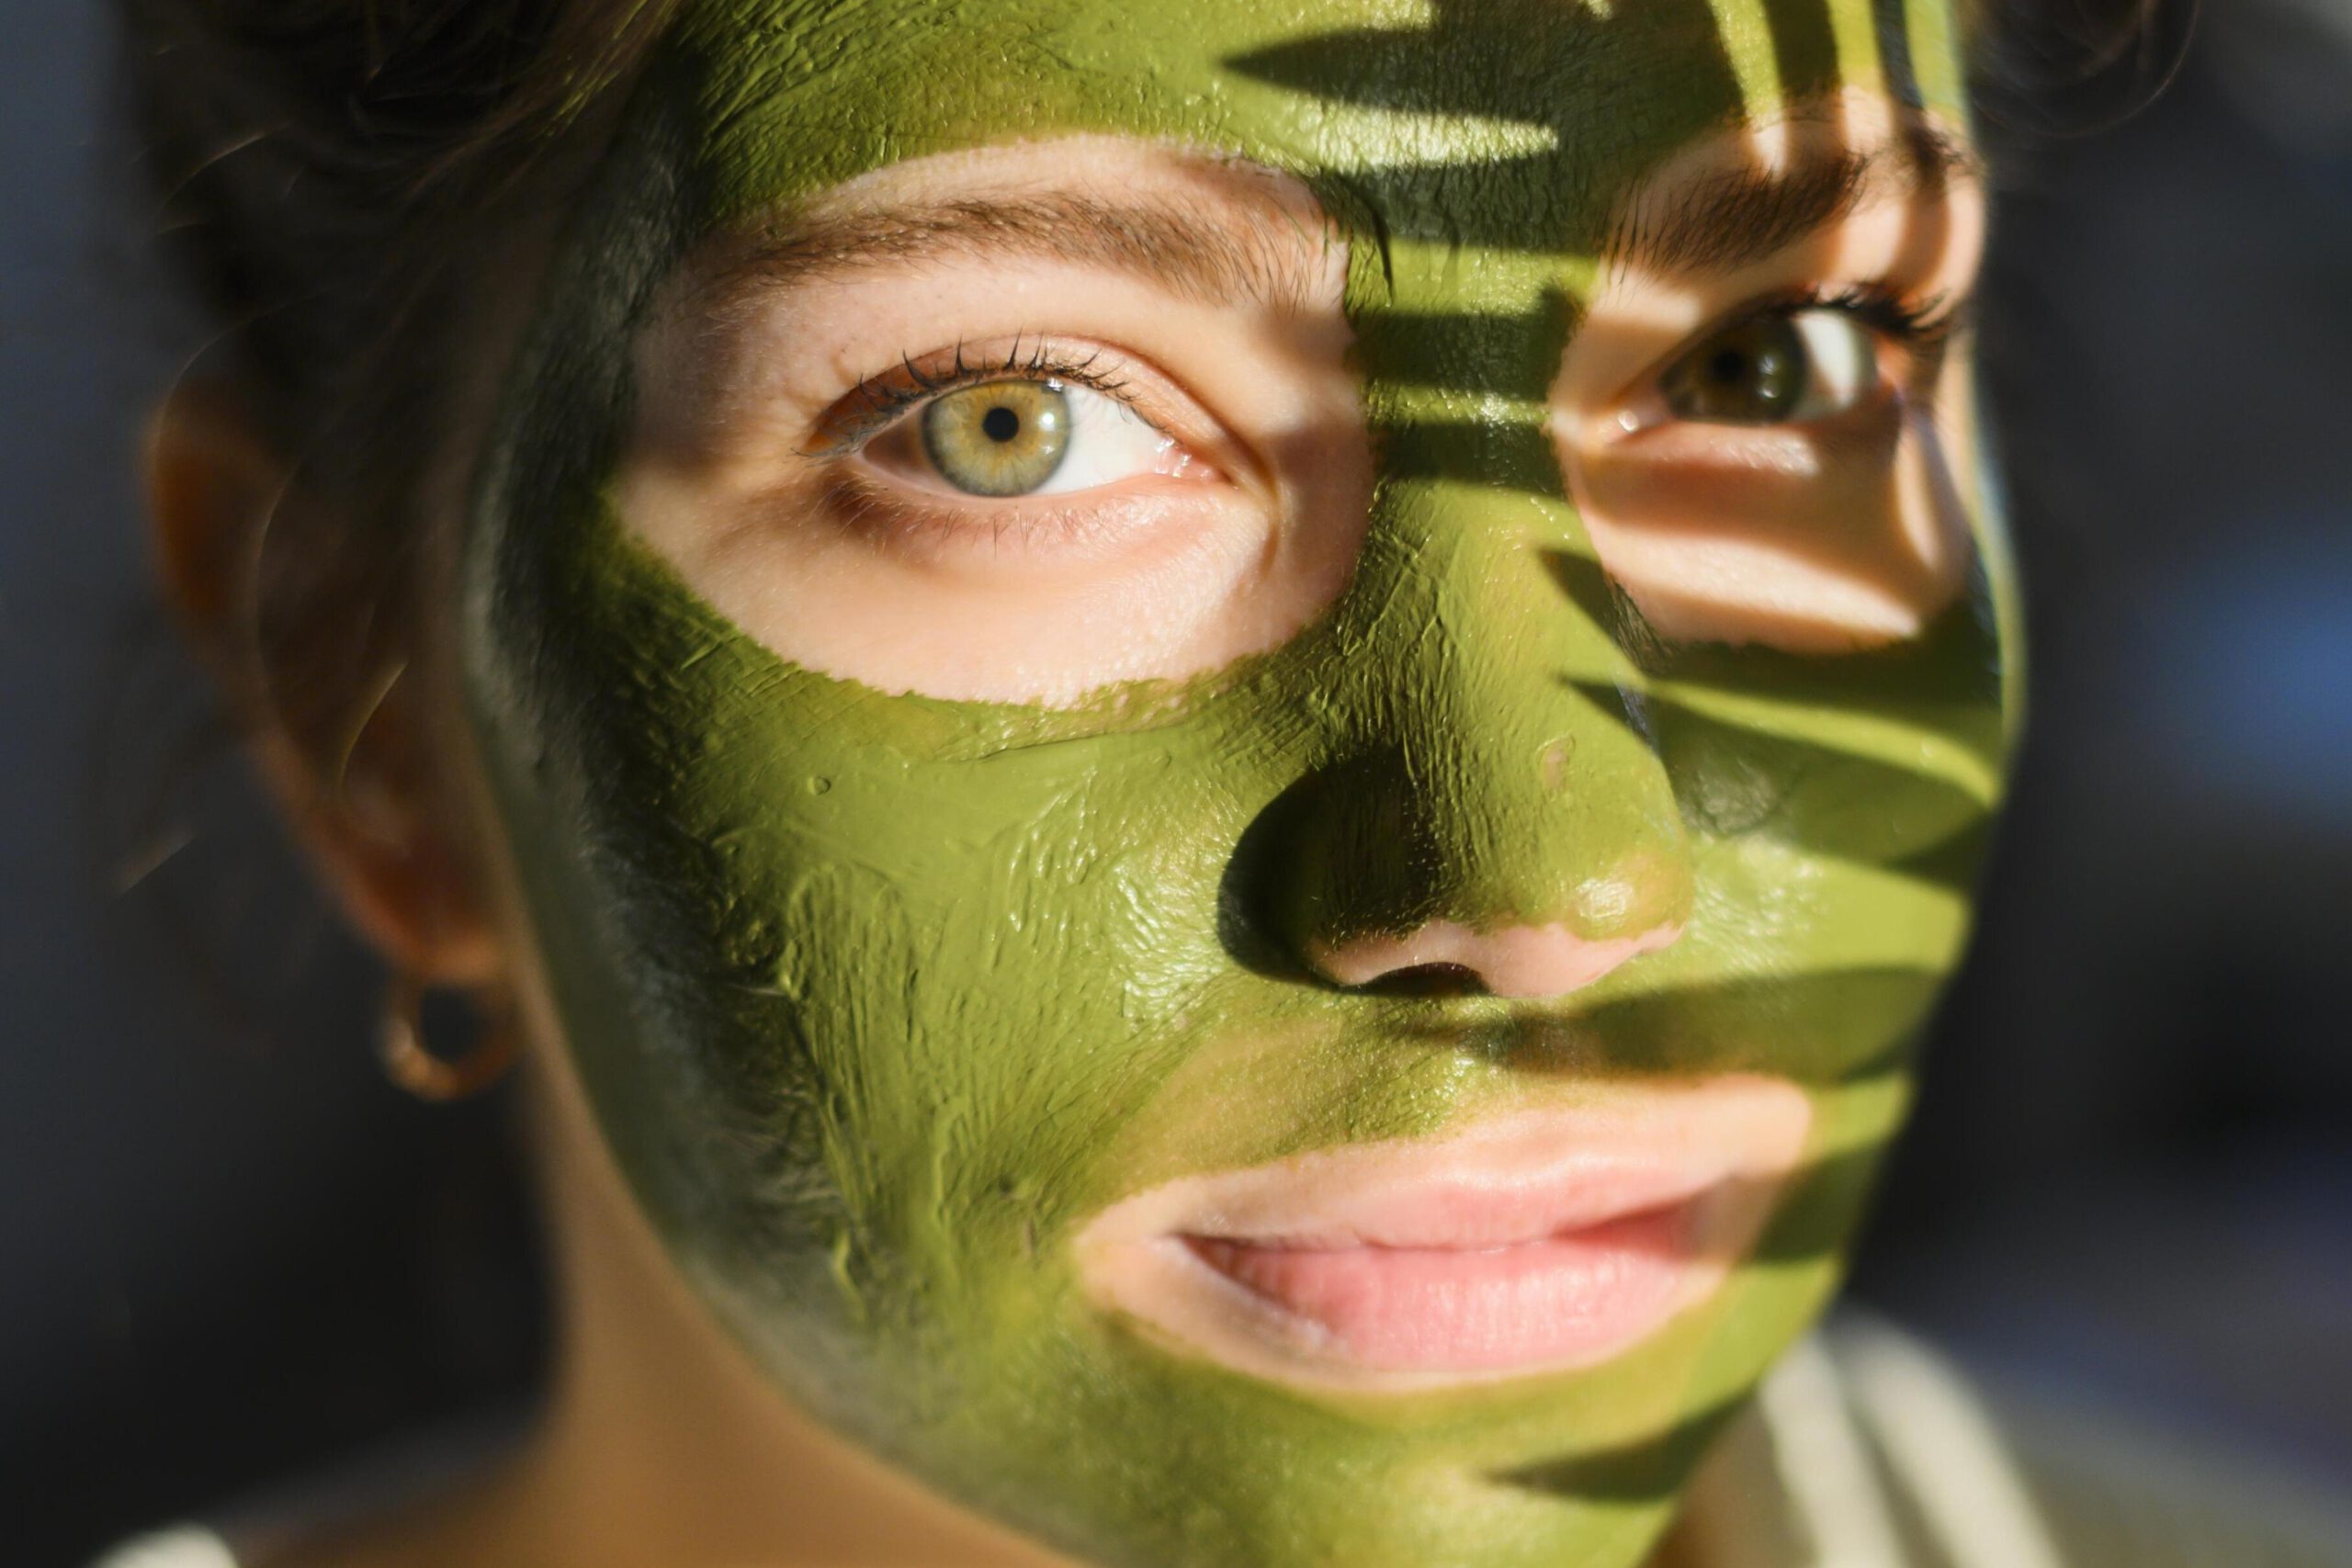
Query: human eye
[(1025, 437), (1793, 362), (1781, 474), (998, 471), (1044, 424)]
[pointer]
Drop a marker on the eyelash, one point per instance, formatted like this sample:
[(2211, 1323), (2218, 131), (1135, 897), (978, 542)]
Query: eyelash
[(1921, 327), (876, 401), (1880, 304)]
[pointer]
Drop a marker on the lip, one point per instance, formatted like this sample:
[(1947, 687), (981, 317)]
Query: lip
[(1539, 1240)]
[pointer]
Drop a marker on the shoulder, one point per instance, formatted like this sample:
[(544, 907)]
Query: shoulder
[(189, 1546), (384, 1506), (1890, 1452)]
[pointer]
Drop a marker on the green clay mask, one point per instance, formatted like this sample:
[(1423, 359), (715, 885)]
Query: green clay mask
[(1052, 891)]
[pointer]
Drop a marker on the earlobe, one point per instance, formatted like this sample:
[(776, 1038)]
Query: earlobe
[(343, 733)]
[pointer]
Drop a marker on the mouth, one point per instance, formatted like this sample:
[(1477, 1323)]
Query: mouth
[(1541, 1240)]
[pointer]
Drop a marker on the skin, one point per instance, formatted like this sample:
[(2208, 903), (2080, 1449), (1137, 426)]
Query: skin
[(899, 918)]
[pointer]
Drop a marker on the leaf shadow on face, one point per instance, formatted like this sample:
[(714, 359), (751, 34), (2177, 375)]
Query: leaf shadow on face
[(1588, 585), (1829, 1025), (1530, 64), (1615, 91), (1645, 1472), (1835, 1027), (1736, 779), (1826, 1200)]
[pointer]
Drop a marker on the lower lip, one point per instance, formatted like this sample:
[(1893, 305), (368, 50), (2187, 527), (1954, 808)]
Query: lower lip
[(1564, 1298)]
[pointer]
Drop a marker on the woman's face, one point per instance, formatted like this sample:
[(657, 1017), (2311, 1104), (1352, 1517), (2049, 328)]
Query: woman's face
[(1242, 734)]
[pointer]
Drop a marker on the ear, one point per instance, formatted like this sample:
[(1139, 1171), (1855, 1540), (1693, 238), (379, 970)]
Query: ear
[(341, 723)]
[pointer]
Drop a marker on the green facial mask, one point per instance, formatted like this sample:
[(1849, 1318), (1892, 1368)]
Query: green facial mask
[(879, 998)]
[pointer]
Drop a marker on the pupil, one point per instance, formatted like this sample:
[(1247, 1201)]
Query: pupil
[(1754, 373), (1000, 425)]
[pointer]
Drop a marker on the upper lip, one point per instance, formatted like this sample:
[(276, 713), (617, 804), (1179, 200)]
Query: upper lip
[(1517, 1178)]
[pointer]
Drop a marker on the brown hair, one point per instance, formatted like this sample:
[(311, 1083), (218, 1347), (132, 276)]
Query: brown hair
[(334, 179), (324, 166)]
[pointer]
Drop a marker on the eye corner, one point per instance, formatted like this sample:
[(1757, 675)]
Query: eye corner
[(1637, 411)]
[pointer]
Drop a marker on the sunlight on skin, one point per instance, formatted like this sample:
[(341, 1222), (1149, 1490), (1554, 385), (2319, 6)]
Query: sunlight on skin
[(919, 876), (1821, 537), (904, 589)]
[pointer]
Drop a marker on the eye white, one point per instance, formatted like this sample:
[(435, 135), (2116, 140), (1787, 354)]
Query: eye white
[(1841, 361), (1108, 442)]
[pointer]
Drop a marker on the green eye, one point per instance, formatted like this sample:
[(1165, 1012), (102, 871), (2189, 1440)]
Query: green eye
[(1000, 437), (1774, 369)]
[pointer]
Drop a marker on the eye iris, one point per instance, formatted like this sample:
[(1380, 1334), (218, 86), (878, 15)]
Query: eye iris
[(998, 439), (1753, 373)]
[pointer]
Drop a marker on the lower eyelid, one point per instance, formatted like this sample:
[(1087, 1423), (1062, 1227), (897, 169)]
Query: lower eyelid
[(1639, 428), (892, 515), (1870, 432)]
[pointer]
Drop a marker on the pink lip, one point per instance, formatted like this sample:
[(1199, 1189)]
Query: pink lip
[(1553, 1300), (1541, 1240)]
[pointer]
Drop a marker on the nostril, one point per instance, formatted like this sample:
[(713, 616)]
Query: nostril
[(1444, 958), (1427, 980)]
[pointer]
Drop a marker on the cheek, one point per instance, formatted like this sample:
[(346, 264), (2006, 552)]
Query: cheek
[(1040, 607), (1809, 543), (958, 947)]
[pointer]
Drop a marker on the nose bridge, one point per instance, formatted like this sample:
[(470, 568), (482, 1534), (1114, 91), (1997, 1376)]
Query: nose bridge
[(1487, 778), (1521, 790)]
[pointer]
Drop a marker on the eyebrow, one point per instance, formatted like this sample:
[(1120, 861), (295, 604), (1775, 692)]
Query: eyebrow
[(1193, 249), (1736, 217), (1718, 222)]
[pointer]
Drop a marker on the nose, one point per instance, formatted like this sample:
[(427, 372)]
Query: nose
[(1504, 830), (1513, 961), (1490, 814), (1487, 811)]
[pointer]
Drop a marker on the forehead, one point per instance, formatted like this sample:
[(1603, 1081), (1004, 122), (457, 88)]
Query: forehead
[(1509, 125)]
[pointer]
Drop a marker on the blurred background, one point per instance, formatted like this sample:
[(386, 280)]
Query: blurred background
[(232, 1253)]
